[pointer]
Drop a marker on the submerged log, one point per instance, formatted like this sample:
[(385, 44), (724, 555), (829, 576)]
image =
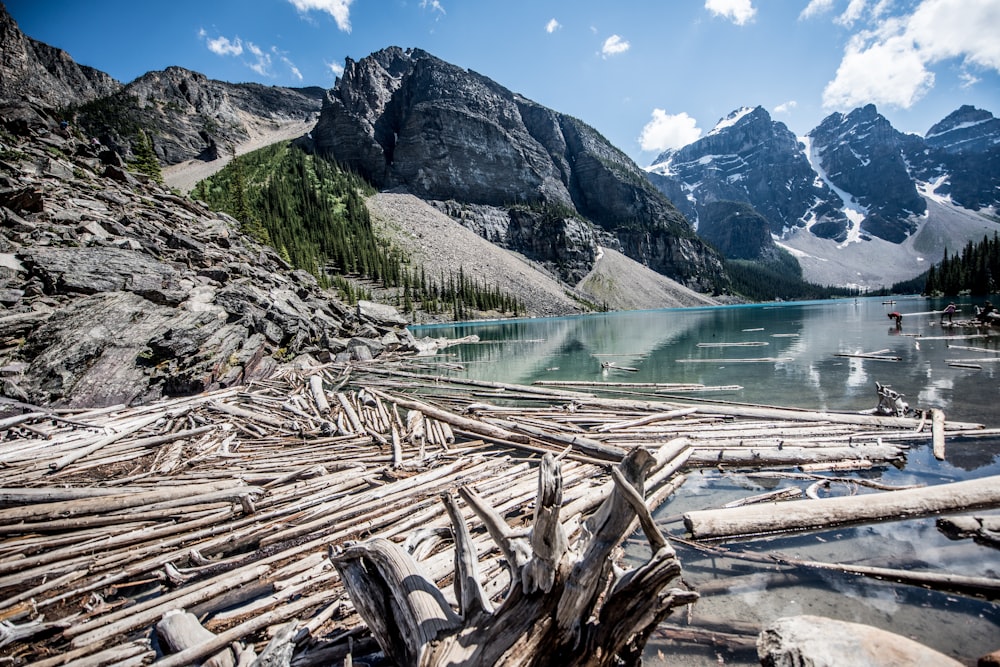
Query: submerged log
[(828, 512), (564, 605)]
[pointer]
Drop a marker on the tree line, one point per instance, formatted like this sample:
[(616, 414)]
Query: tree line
[(313, 213), (975, 270)]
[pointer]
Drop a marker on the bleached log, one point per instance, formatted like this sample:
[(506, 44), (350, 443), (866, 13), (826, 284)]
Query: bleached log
[(937, 433), (594, 625), (180, 630), (829, 512)]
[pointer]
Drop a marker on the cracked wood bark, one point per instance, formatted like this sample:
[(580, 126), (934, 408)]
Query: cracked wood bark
[(565, 604)]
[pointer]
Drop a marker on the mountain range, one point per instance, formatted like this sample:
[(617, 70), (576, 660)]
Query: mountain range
[(856, 201)]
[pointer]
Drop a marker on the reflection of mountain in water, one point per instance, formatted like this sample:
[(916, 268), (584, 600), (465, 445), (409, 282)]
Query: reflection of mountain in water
[(569, 348)]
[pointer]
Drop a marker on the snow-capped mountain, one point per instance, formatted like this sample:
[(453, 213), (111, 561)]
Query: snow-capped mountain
[(853, 189)]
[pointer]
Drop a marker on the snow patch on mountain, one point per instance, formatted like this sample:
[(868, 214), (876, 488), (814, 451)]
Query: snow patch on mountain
[(855, 212), (730, 120)]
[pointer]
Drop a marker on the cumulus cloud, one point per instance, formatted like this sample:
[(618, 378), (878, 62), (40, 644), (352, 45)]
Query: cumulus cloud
[(340, 10), (665, 131), (855, 10), (815, 8), (335, 68), (737, 11), (223, 47), (786, 107), (614, 45), (552, 26), (890, 63)]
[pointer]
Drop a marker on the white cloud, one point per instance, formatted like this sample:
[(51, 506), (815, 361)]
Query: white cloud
[(890, 64), (223, 47), (614, 45), (737, 11), (263, 64), (855, 10), (433, 5), (287, 62), (786, 107), (668, 131), (340, 10), (814, 8), (552, 26), (969, 79), (335, 68)]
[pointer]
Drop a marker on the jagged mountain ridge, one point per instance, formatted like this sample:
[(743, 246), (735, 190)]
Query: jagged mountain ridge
[(853, 179), (409, 121), (194, 116), (44, 75)]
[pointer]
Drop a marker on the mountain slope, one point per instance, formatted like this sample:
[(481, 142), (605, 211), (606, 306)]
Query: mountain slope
[(189, 116), (862, 199), (441, 244), (409, 121), (43, 75)]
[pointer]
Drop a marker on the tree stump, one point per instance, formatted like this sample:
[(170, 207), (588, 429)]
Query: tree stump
[(567, 604)]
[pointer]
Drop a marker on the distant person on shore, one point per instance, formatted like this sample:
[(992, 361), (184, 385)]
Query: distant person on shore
[(987, 314), (949, 311), (898, 317)]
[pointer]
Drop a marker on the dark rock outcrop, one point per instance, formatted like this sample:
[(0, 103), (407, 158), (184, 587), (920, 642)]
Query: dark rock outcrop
[(405, 119), (736, 230), (750, 158), (193, 117), (118, 291), (861, 153), (31, 71)]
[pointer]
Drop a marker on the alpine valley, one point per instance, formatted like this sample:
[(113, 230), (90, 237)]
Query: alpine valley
[(138, 212)]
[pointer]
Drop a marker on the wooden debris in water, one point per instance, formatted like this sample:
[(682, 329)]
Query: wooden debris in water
[(225, 505), (745, 344)]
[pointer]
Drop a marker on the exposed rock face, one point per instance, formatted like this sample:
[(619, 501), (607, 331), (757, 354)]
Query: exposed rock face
[(36, 72), (852, 178), (737, 230), (115, 291), (962, 158), (194, 116), (408, 120), (861, 153), (814, 641), (749, 157)]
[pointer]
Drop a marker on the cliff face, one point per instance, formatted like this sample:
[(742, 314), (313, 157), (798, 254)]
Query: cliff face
[(188, 115), (43, 75), (408, 120)]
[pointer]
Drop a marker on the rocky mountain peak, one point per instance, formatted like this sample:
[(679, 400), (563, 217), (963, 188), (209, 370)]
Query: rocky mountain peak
[(409, 121), (740, 160), (861, 153), (965, 130), (31, 71)]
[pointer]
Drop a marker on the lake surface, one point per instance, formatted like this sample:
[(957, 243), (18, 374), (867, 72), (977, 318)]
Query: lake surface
[(787, 354)]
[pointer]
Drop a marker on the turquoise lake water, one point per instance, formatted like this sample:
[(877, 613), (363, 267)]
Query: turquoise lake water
[(788, 354)]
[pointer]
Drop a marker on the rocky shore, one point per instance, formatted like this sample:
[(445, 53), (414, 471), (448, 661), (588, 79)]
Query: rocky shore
[(114, 289)]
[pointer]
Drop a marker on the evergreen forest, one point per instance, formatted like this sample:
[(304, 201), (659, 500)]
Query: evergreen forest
[(313, 214), (973, 271), (778, 279)]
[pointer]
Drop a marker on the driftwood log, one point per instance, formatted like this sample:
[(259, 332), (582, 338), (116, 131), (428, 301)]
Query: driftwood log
[(565, 605), (801, 515)]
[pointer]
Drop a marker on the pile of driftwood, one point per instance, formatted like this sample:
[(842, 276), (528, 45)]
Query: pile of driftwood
[(334, 512)]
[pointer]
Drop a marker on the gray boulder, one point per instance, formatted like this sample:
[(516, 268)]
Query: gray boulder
[(815, 641)]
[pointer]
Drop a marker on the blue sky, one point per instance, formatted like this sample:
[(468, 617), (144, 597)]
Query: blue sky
[(647, 74)]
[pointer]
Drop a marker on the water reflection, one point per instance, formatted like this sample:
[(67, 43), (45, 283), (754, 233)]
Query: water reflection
[(798, 366)]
